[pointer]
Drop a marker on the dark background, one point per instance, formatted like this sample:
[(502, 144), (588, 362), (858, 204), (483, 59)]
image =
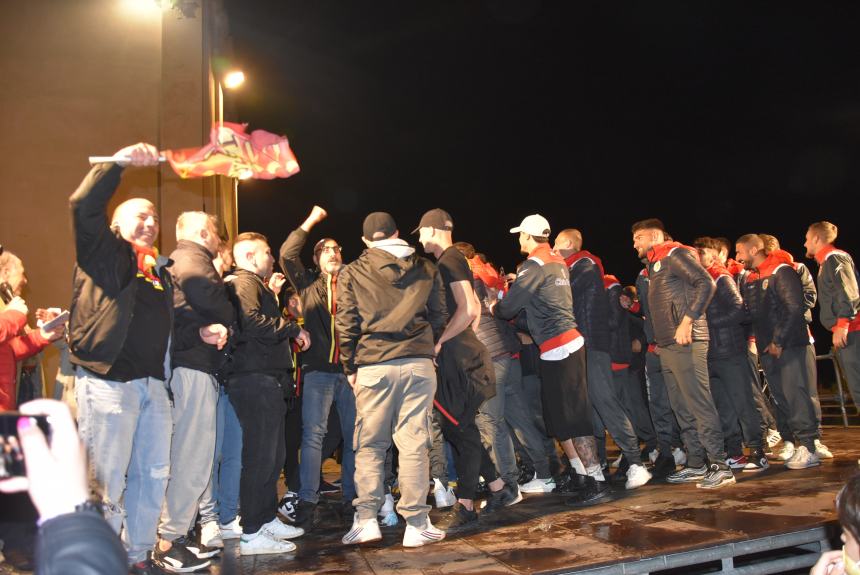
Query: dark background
[(719, 118)]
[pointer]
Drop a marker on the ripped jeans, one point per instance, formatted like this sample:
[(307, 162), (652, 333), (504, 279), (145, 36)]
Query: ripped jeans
[(126, 428)]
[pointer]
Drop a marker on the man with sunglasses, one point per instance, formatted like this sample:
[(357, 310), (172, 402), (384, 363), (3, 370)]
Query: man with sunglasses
[(323, 379)]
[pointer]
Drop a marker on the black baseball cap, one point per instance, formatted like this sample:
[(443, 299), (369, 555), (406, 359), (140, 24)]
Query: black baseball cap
[(378, 226), (436, 218)]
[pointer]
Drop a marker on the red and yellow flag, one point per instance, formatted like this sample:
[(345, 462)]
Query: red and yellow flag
[(232, 152)]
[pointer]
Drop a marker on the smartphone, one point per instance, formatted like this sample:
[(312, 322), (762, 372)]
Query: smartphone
[(59, 320), (6, 292), (11, 456)]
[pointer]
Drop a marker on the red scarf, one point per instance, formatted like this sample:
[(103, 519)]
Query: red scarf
[(775, 259), (660, 251), (486, 273), (610, 280), (717, 269), (582, 254)]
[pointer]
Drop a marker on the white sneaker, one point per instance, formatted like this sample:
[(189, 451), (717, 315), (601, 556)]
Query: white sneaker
[(680, 456), (637, 476), (653, 455), (822, 451), (773, 437), (415, 537), (362, 531), (279, 530), (231, 530), (387, 515), (617, 462), (443, 495), (210, 534), (261, 543), (538, 485), (803, 459), (787, 451)]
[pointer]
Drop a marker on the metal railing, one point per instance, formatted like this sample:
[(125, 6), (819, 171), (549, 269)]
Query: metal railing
[(840, 377)]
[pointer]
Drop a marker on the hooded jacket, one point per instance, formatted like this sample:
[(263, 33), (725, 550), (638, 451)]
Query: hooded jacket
[(774, 296), (590, 301), (725, 315), (679, 286), (388, 307), (837, 289)]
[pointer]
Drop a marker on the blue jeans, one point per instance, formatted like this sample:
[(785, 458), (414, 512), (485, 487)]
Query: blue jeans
[(495, 434), (127, 427), (320, 389), (220, 501)]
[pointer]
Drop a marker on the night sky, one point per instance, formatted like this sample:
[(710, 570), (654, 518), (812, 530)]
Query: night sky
[(720, 119)]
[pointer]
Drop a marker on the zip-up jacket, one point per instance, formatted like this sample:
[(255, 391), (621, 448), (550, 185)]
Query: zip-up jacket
[(643, 284), (318, 292), (620, 351), (388, 308), (726, 315), (679, 287), (199, 299), (590, 302), (104, 286), (498, 336), (775, 302), (837, 289), (263, 342), (542, 288)]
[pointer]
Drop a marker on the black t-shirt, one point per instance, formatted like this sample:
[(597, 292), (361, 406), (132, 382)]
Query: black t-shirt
[(142, 354), (454, 268)]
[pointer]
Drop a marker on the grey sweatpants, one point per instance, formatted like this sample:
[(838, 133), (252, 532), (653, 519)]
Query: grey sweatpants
[(607, 406), (792, 380)]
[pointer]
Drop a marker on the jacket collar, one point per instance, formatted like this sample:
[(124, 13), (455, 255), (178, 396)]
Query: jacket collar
[(584, 254), (774, 260), (717, 269), (660, 251), (545, 254), (824, 252)]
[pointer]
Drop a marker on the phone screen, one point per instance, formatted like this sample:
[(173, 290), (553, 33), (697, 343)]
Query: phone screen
[(11, 456)]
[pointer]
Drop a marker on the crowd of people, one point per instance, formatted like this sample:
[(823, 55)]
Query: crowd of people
[(204, 377)]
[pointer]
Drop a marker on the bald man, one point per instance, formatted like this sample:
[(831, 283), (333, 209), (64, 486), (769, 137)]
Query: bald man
[(120, 333)]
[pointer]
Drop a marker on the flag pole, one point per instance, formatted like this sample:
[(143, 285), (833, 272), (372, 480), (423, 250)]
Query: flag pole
[(115, 158)]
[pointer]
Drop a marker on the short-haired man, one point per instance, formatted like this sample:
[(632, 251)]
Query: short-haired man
[(467, 383), (774, 299), (542, 289), (592, 313), (390, 314), (260, 378), (679, 292), (838, 297), (324, 382), (200, 304)]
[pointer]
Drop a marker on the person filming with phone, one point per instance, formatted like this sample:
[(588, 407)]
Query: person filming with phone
[(17, 341)]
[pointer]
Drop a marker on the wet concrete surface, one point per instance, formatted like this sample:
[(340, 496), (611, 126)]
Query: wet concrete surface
[(542, 535)]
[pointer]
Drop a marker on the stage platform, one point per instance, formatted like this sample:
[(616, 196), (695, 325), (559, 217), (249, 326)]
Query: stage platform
[(771, 522)]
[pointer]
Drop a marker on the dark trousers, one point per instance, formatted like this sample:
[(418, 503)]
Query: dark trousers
[(259, 403), (763, 404), (470, 457), (607, 409), (685, 370), (793, 382), (665, 425), (732, 376), (292, 444), (629, 386)]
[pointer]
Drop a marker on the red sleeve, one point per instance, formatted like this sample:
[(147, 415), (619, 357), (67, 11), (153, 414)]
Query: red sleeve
[(11, 322), (28, 344)]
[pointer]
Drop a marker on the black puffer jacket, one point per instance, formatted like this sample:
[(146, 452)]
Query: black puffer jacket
[(679, 287), (263, 342), (810, 294), (590, 302), (643, 284), (726, 315), (388, 307), (497, 335), (775, 302), (620, 346)]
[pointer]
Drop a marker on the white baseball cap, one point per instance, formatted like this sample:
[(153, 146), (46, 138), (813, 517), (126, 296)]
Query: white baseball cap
[(534, 225)]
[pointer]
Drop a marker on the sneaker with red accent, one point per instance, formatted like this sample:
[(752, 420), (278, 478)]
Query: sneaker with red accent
[(363, 531), (418, 537), (756, 462), (739, 462)]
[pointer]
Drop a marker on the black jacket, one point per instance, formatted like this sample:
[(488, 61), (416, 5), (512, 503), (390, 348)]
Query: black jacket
[(263, 342), (318, 292), (643, 283), (199, 299), (776, 306), (726, 315), (388, 308), (620, 346), (837, 287), (81, 543), (590, 302), (498, 336), (679, 286), (104, 286)]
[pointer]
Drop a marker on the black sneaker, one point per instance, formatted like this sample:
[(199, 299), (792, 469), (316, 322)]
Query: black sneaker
[(664, 466), (594, 492), (146, 567), (500, 499), (304, 515), (458, 519), (327, 488), (202, 551), (621, 471), (688, 474), (527, 473), (178, 559), (287, 506), (569, 483)]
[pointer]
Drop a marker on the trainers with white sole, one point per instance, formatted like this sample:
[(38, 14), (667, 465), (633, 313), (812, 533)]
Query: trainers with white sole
[(538, 485), (232, 530), (363, 531), (279, 530), (261, 543), (822, 450), (637, 476), (787, 451), (773, 437), (680, 456), (210, 534), (803, 459), (415, 537)]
